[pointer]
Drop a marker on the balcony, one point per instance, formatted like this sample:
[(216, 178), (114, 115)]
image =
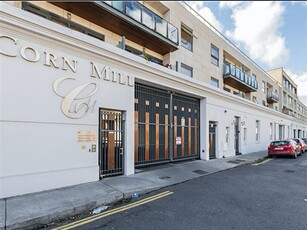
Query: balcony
[(235, 77), (130, 19), (272, 97)]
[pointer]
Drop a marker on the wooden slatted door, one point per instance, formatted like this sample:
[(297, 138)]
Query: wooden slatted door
[(151, 129), (111, 152), (186, 127), (166, 126)]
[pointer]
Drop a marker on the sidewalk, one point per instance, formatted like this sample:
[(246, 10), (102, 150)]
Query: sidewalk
[(37, 209)]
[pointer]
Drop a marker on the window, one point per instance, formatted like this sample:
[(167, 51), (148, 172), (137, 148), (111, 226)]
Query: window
[(227, 135), (186, 70), (271, 131), (215, 82), (263, 103), (214, 55), (186, 38), (61, 20), (257, 130), (226, 89), (263, 86)]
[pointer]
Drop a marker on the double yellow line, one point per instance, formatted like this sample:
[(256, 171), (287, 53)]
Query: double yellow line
[(114, 211)]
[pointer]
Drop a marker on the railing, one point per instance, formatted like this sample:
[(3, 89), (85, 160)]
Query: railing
[(273, 95), (146, 17), (231, 70), (218, 33)]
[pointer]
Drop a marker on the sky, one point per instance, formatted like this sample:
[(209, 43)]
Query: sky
[(273, 34)]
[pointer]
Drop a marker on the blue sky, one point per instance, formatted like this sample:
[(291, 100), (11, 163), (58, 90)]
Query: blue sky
[(273, 34)]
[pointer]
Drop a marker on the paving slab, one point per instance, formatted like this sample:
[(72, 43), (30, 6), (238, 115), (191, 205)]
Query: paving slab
[(44, 207), (2, 214)]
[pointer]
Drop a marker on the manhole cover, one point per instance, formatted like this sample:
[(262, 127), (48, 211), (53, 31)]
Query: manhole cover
[(289, 171), (164, 177), (201, 172)]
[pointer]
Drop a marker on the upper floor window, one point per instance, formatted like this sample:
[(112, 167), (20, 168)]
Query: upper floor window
[(186, 70), (186, 38), (214, 55), (263, 87), (61, 20), (214, 82)]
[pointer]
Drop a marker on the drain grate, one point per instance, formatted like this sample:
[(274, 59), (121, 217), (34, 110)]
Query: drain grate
[(201, 172), (289, 171), (164, 177)]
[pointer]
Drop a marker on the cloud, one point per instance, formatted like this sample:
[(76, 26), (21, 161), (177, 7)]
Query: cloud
[(256, 27), (300, 78), (300, 2), (206, 13), (229, 4)]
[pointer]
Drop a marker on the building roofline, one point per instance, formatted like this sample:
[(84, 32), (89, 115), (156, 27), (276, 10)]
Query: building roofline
[(217, 32)]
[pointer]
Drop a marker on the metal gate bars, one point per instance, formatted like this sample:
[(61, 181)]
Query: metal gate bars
[(111, 143), (166, 126)]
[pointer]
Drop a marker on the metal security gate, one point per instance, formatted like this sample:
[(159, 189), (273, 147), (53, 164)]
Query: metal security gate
[(152, 125), (111, 152), (186, 126), (166, 126)]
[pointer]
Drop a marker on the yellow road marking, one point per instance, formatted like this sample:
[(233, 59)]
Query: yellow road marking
[(263, 162), (114, 211)]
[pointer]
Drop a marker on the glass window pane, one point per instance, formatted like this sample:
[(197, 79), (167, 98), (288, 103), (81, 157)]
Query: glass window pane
[(148, 18), (172, 33), (214, 82), (161, 26), (133, 9), (214, 61), (119, 5), (214, 52), (186, 40), (187, 70)]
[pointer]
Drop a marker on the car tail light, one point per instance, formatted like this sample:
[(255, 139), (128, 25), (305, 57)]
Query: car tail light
[(288, 147)]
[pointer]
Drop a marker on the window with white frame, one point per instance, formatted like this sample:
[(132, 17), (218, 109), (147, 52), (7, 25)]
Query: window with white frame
[(257, 130)]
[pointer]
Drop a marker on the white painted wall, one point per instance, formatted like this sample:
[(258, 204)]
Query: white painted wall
[(39, 148)]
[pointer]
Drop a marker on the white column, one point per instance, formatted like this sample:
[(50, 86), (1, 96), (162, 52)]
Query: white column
[(204, 130)]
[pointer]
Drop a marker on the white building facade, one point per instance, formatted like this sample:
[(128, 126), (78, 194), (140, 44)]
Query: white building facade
[(75, 109)]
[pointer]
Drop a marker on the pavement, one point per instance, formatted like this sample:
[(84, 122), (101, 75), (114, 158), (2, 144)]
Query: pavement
[(39, 209)]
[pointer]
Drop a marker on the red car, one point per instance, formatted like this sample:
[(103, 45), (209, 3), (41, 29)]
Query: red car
[(284, 148), (301, 143)]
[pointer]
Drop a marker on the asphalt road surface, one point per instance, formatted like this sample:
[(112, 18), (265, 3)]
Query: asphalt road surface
[(272, 195)]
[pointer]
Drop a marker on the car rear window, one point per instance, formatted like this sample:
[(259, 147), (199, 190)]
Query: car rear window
[(279, 143), (297, 141)]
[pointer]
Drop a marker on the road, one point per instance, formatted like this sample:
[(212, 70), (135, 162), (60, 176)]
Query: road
[(272, 195)]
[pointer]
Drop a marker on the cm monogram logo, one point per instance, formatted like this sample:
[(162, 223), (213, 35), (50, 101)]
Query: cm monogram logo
[(77, 103)]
